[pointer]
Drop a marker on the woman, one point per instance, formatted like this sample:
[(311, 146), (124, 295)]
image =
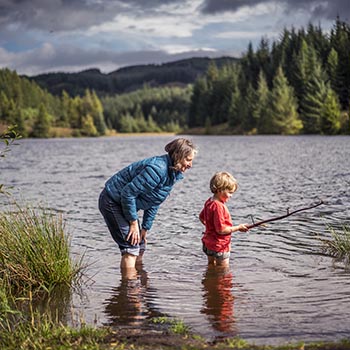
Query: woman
[(143, 185)]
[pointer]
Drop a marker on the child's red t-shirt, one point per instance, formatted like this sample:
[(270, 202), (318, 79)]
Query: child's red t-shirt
[(216, 218)]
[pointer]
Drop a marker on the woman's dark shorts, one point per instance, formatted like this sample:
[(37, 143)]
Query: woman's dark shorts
[(117, 224)]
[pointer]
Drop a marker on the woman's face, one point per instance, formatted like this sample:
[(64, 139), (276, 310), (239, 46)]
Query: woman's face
[(186, 163)]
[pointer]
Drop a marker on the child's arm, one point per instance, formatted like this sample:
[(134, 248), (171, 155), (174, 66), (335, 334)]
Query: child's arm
[(240, 227), (230, 229)]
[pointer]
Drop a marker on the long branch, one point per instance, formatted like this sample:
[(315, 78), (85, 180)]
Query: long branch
[(283, 216)]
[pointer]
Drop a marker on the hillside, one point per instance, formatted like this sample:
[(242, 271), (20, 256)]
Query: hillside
[(128, 79)]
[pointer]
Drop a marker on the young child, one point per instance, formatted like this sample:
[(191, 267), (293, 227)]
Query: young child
[(217, 220)]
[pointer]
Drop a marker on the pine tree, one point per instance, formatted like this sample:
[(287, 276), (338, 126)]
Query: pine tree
[(247, 109), (19, 123), (97, 115), (128, 124), (283, 107), (76, 112), (222, 94), (198, 104), (332, 69), (88, 127), (4, 107), (340, 41), (302, 70), (312, 102), (261, 112), (235, 119), (263, 57), (250, 66), (330, 113), (41, 126), (63, 119), (152, 125)]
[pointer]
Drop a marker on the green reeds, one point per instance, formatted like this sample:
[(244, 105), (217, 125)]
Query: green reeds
[(43, 332), (339, 245), (34, 250)]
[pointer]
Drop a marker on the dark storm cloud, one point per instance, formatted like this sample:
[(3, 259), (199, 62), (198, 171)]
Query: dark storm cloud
[(149, 3), (214, 6), (56, 14), (70, 14), (317, 8)]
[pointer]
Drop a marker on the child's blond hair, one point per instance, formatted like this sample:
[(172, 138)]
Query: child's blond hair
[(223, 181)]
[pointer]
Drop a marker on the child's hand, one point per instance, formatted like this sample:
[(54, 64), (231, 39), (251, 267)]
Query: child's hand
[(243, 228)]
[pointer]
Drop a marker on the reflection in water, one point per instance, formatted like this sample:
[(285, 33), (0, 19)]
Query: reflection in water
[(218, 299), (128, 305), (57, 304)]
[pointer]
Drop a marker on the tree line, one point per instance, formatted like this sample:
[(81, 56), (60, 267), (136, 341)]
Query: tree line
[(149, 110), (37, 113), (299, 84)]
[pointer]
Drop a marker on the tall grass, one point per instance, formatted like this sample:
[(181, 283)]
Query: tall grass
[(34, 250), (339, 245), (43, 332)]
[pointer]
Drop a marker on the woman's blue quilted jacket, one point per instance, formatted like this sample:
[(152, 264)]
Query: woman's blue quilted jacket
[(143, 185)]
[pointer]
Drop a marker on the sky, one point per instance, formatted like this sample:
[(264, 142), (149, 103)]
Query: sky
[(40, 36)]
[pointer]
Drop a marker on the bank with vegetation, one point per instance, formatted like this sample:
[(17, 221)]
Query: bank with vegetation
[(298, 84)]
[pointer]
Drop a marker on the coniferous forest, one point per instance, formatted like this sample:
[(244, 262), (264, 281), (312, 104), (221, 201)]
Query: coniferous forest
[(298, 84)]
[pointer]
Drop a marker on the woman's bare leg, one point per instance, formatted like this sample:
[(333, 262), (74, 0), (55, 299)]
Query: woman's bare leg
[(128, 261), (139, 258)]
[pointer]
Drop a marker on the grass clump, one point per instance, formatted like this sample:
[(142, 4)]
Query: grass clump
[(34, 250), (338, 246), (42, 332), (173, 325)]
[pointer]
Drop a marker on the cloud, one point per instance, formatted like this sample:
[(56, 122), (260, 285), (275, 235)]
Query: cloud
[(56, 14), (71, 35), (328, 9)]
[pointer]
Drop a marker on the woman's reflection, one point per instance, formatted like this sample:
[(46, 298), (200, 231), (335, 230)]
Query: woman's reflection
[(131, 302), (127, 305), (218, 299)]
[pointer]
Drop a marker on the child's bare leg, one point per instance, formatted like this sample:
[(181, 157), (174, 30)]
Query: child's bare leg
[(211, 260), (223, 262)]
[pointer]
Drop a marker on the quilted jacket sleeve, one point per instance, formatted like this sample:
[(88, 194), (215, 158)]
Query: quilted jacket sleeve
[(148, 179), (148, 217)]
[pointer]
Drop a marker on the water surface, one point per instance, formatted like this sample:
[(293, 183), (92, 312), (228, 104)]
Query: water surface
[(279, 288)]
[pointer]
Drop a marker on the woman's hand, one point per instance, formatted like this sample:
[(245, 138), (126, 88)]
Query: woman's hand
[(134, 233), (144, 235)]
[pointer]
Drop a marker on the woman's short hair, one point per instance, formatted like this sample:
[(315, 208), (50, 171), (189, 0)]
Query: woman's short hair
[(223, 181), (178, 150)]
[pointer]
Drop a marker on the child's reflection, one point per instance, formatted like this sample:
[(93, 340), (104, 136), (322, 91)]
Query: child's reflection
[(218, 298), (127, 304)]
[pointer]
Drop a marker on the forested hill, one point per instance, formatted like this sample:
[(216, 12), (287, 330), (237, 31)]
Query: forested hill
[(128, 79)]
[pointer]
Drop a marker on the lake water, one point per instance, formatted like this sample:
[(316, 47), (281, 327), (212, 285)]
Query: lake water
[(279, 287)]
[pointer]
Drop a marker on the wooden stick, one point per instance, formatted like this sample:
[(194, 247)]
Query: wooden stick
[(283, 216)]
